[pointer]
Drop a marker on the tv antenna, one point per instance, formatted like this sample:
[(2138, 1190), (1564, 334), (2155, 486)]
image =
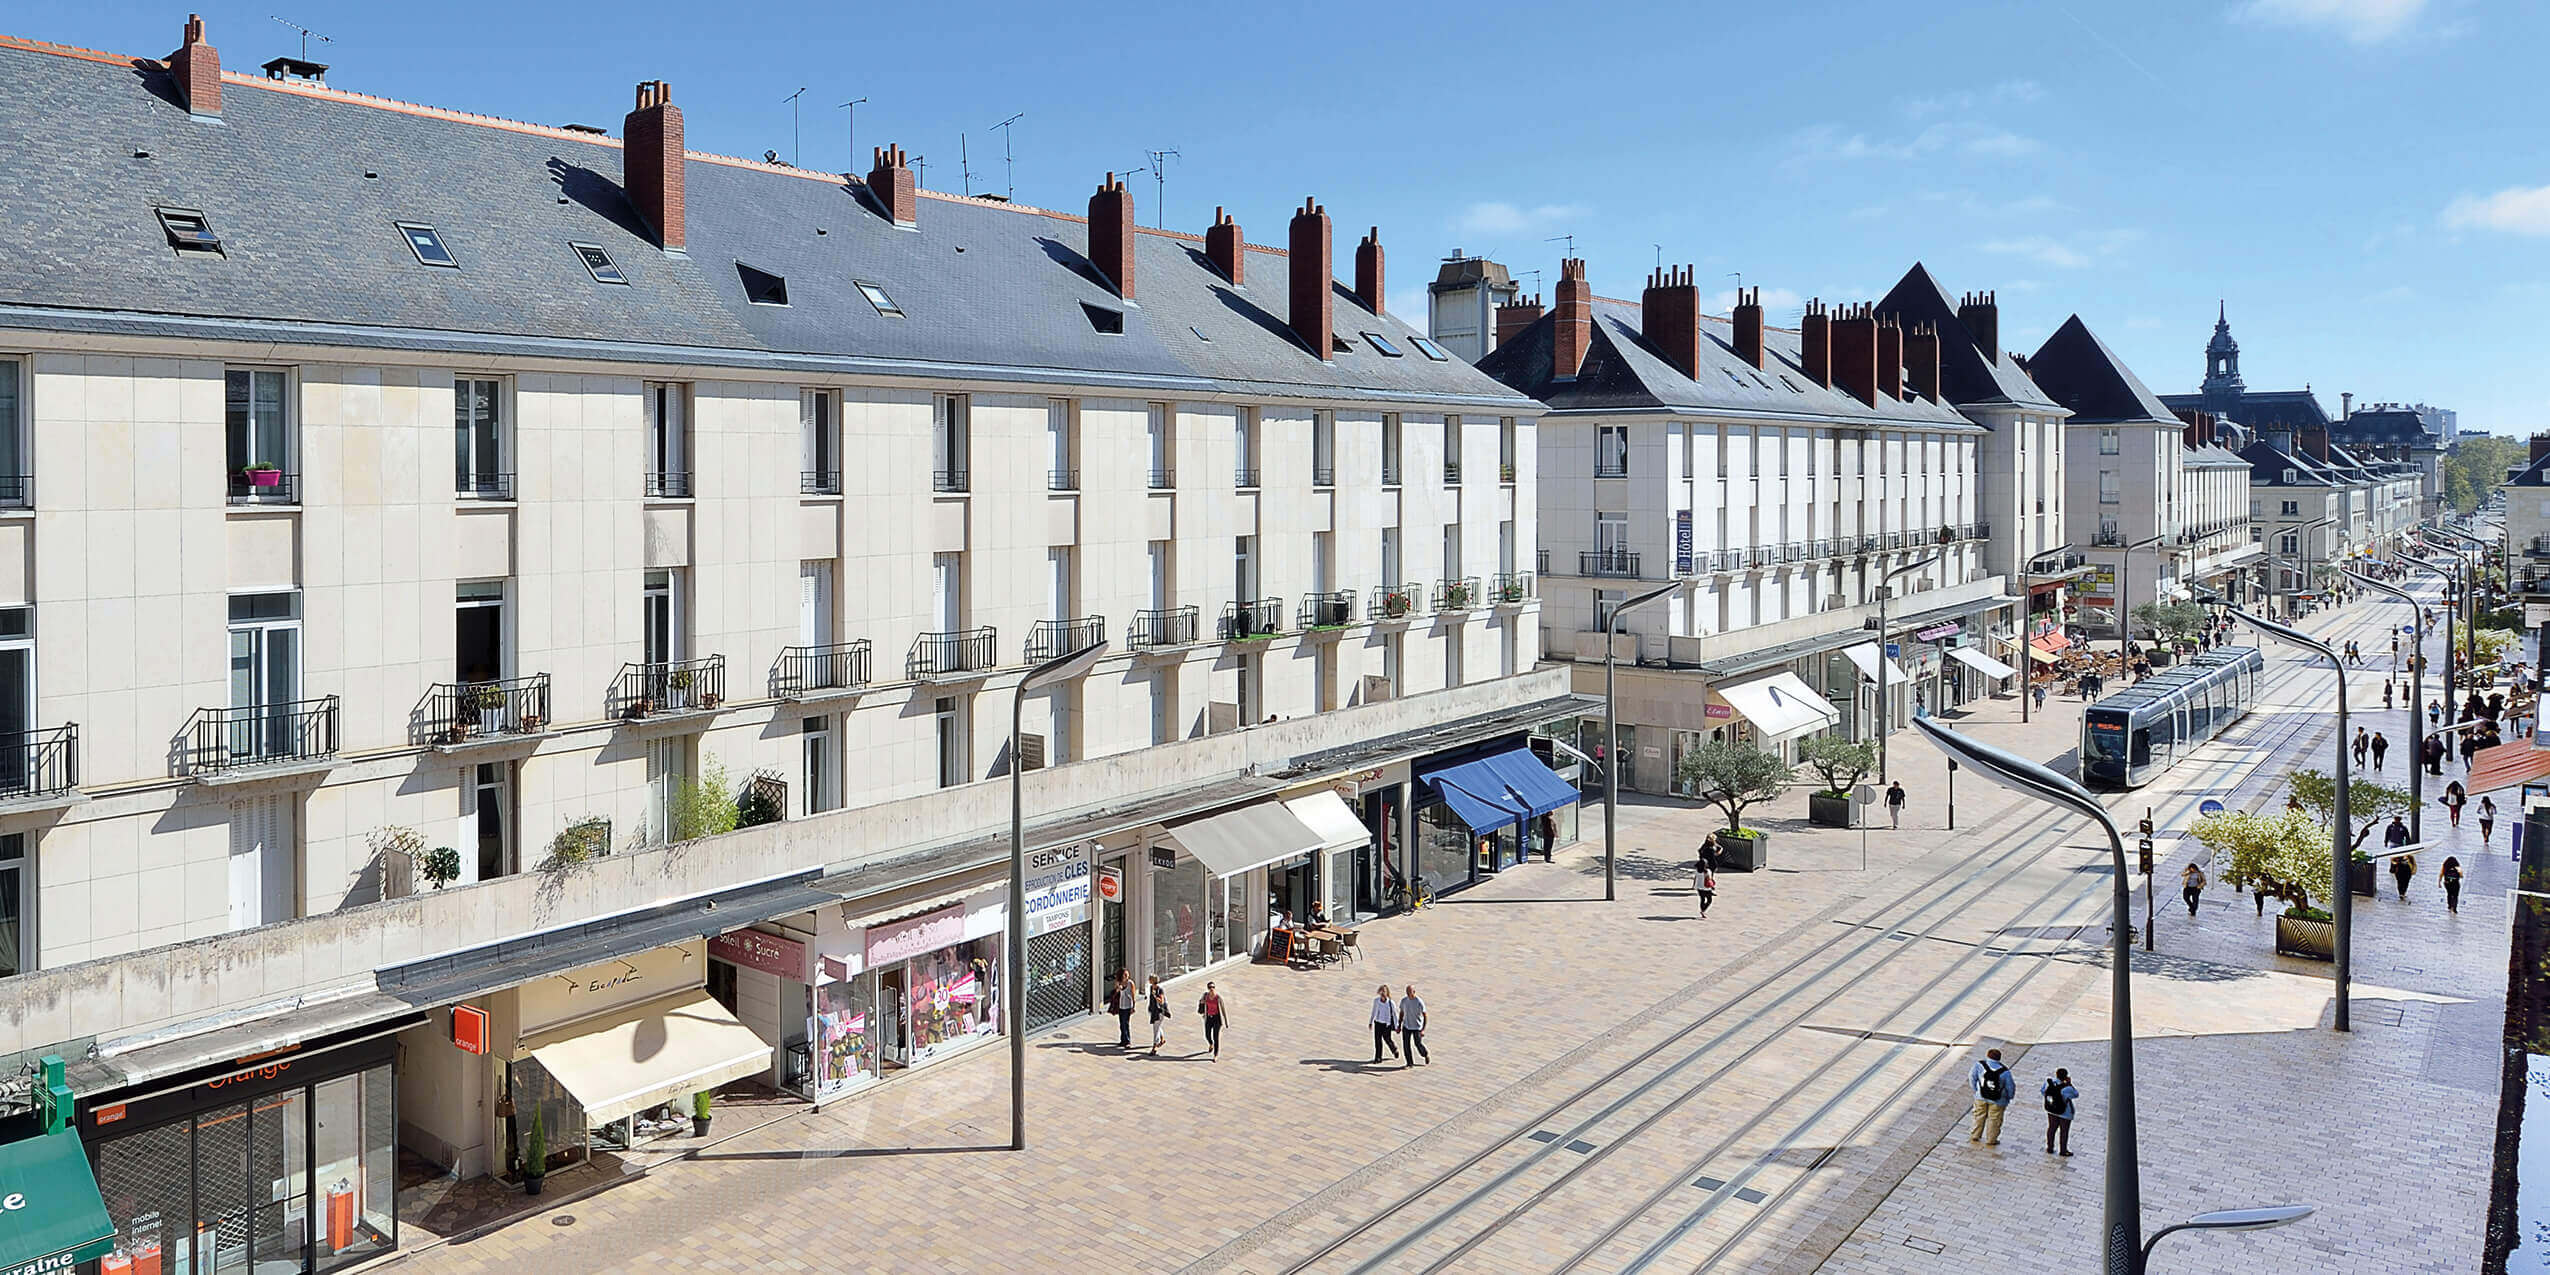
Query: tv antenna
[(307, 35), (796, 136), (921, 170), (965, 164), (1009, 162), (1660, 256), (1158, 164), (1738, 276), (853, 107), (1570, 241)]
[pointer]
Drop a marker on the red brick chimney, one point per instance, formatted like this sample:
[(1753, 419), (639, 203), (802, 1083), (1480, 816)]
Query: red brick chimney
[(2540, 446), (1228, 249), (1855, 353), (1313, 272), (890, 184), (1669, 314), (1111, 234), (1514, 316), (1921, 361), (2315, 442), (1982, 316), (1815, 343), (1748, 325), (1890, 357), (1575, 319), (1368, 279), (2196, 430), (652, 159), (197, 68)]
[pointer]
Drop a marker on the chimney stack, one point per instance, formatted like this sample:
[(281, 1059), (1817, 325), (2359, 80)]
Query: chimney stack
[(2540, 446), (2315, 443), (890, 184), (2196, 429), (197, 69), (1854, 344), (1748, 325), (1368, 282), (1921, 361), (1575, 319), (1514, 316), (1227, 248), (1982, 316), (1815, 344), (1313, 271), (1890, 357), (651, 158), (2346, 406), (1669, 314), (1111, 234)]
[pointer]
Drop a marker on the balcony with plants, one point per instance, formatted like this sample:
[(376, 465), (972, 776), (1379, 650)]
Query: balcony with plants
[(672, 688), (1397, 602), (1456, 595), (1253, 620), (458, 713), (1511, 588)]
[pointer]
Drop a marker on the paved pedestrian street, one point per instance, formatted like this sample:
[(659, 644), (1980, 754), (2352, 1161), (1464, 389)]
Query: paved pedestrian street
[(1626, 1086)]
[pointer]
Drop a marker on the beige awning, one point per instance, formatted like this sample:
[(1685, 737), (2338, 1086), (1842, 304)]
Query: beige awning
[(651, 1053), (1251, 836), (1327, 816), (1780, 706)]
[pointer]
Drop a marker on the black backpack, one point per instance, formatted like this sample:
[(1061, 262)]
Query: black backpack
[(1996, 1082), (2053, 1097)]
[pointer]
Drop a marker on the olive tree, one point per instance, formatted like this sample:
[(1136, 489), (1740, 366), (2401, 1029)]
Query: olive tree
[(1842, 762), (1734, 776), (2285, 853), (2367, 803)]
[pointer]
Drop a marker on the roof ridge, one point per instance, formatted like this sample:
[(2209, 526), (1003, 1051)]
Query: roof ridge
[(401, 106), (75, 51)]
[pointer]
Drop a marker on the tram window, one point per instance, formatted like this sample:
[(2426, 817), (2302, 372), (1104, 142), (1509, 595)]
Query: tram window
[(2142, 749)]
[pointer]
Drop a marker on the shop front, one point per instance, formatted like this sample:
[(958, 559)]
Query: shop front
[(1856, 691), (1062, 980), (1206, 871), (1367, 878), (279, 1162), (1485, 812), (1777, 707), (51, 1216), (1560, 828)]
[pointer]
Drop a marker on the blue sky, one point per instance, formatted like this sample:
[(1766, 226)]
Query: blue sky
[(2361, 180)]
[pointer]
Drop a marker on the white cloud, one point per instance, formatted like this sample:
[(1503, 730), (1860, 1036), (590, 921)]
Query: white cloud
[(2007, 92), (1832, 142), (1495, 217), (2357, 21), (1409, 305), (2522, 210), (2064, 254)]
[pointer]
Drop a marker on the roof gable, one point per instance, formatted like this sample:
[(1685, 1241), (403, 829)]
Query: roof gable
[(1965, 375), (2082, 374)]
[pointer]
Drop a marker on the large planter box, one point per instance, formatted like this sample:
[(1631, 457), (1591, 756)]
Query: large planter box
[(1825, 810), (2159, 657), (2364, 878), (2311, 940), (1744, 854)]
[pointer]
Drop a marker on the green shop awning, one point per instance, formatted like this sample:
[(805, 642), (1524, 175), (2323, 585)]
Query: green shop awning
[(50, 1216)]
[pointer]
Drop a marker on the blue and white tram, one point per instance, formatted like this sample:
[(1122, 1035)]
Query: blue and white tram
[(2130, 737)]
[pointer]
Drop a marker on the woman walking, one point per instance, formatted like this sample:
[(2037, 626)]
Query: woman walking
[(1385, 1024), (1214, 1011), (2403, 870), (1707, 889), (2453, 800), (2487, 818), (1120, 999), (2191, 884), (1159, 1015), (2452, 884)]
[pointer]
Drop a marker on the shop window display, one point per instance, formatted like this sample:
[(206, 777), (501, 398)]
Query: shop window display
[(1443, 848), (1181, 912), (843, 1051), (955, 996)]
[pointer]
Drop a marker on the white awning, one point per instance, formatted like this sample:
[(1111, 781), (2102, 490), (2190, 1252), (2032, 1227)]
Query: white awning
[(1252, 836), (1865, 656), (653, 1053), (1780, 706), (1328, 818), (1980, 662)]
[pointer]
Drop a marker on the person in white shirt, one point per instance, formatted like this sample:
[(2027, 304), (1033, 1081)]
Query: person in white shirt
[(1412, 1027), (1385, 1023)]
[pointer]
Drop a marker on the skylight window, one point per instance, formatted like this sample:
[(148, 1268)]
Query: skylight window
[(761, 287), (876, 297), (1107, 321), (188, 231), (1381, 343), (1431, 350), (428, 245), (1341, 345), (599, 263)]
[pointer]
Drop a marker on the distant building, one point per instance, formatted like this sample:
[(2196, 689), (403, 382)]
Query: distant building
[(1461, 304)]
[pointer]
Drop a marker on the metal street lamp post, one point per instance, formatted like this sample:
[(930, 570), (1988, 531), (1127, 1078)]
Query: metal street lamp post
[(2125, 602), (1611, 732), (2027, 600), (2416, 709), (1014, 977), (1886, 711), (2273, 1215), (2446, 573), (2341, 898)]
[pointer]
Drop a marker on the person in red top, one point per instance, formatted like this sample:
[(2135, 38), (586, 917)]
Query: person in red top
[(1214, 1011)]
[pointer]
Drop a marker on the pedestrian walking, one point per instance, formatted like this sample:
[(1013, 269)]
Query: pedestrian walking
[(2191, 883), (1385, 1024), (2396, 834), (2061, 1100), (2451, 875), (1895, 804), (2403, 870), (2435, 713), (2039, 692), (2453, 800), (1992, 1087), (2487, 818), (1709, 852), (2363, 743), (1159, 998), (2386, 695), (1707, 890), (1215, 1012), (2469, 748), (2381, 749), (1120, 1002), (1412, 1028)]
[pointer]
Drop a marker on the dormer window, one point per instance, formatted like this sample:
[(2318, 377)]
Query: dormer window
[(1107, 321), (188, 231), (2293, 476)]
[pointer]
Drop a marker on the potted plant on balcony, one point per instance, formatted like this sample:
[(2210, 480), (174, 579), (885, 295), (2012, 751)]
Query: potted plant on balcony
[(262, 475), (1732, 777), (1456, 595), (1394, 604), (1843, 763), (1509, 591), (680, 684), (442, 866)]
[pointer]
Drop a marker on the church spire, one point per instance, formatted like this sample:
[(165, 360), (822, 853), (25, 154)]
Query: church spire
[(2222, 387)]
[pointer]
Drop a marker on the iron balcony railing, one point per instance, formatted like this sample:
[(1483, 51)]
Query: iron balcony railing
[(1257, 618), (1451, 473), (1062, 480), (455, 711), (1049, 638), (1606, 562), (219, 739), (819, 482), (1611, 467), (838, 666), (1163, 479), (1323, 475), (1397, 601), (1512, 588), (948, 480), (1459, 593), (17, 491), (39, 763), (669, 484), (1168, 626), (959, 651), (483, 486), (1244, 477), (265, 487), (2107, 539), (674, 686), (1540, 561), (1332, 610), (1766, 555)]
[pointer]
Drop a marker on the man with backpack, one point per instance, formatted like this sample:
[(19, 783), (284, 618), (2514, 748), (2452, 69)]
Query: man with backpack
[(1993, 1088), (2060, 1096)]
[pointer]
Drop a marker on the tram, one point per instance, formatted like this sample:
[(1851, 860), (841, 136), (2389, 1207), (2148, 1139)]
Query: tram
[(2130, 737)]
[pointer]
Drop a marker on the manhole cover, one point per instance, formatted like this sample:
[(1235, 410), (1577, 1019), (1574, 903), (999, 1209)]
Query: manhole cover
[(563, 1219)]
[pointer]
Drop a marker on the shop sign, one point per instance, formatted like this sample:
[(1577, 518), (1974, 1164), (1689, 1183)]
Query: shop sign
[(469, 1029), (1719, 712), (1937, 631), (1057, 889), (919, 936), (1682, 542), (1111, 884), (2101, 585), (1163, 858), (769, 953), (609, 985)]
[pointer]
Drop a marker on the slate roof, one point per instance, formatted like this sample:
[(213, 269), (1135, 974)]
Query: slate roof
[(2269, 463), (304, 187), (1624, 373), (1965, 375), (2081, 373), (2265, 409), (2386, 427), (2211, 456), (2535, 474)]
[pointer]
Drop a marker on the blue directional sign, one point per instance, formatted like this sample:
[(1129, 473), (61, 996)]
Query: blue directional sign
[(1894, 650), (2209, 807)]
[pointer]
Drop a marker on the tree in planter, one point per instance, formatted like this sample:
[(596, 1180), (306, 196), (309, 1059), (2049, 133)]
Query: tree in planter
[(2492, 644), (2286, 852), (1842, 762), (2172, 622), (703, 807), (580, 842), (2368, 803), (1734, 776)]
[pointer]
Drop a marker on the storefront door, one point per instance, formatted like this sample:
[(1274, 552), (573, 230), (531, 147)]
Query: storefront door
[(1113, 945), (894, 1040)]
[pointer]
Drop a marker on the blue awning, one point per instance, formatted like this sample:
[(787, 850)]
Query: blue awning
[(1500, 789)]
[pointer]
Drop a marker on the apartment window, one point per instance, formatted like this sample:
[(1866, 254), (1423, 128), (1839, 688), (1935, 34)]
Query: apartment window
[(1252, 690), (1451, 551), (17, 704), (479, 440), (1390, 573), (17, 894), (814, 602), (1451, 451), (1394, 662), (667, 764), (819, 429), (258, 424), (1611, 451), (949, 728), (1244, 448), (819, 762), (661, 618), (1390, 449), (885, 306), (16, 482), (2107, 533), (2292, 508), (950, 425), (1323, 671), (1452, 672), (1157, 431), (1505, 546), (1058, 583), (1160, 589), (668, 439), (1607, 601), (428, 244), (2107, 442), (2108, 492), (262, 845), (947, 591), (1323, 561), (2257, 534), (478, 638), (1164, 701), (1062, 471), (1244, 569), (265, 672), (598, 263), (1509, 648), (1611, 533), (2291, 544), (1323, 448), (1506, 434), (487, 819)]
